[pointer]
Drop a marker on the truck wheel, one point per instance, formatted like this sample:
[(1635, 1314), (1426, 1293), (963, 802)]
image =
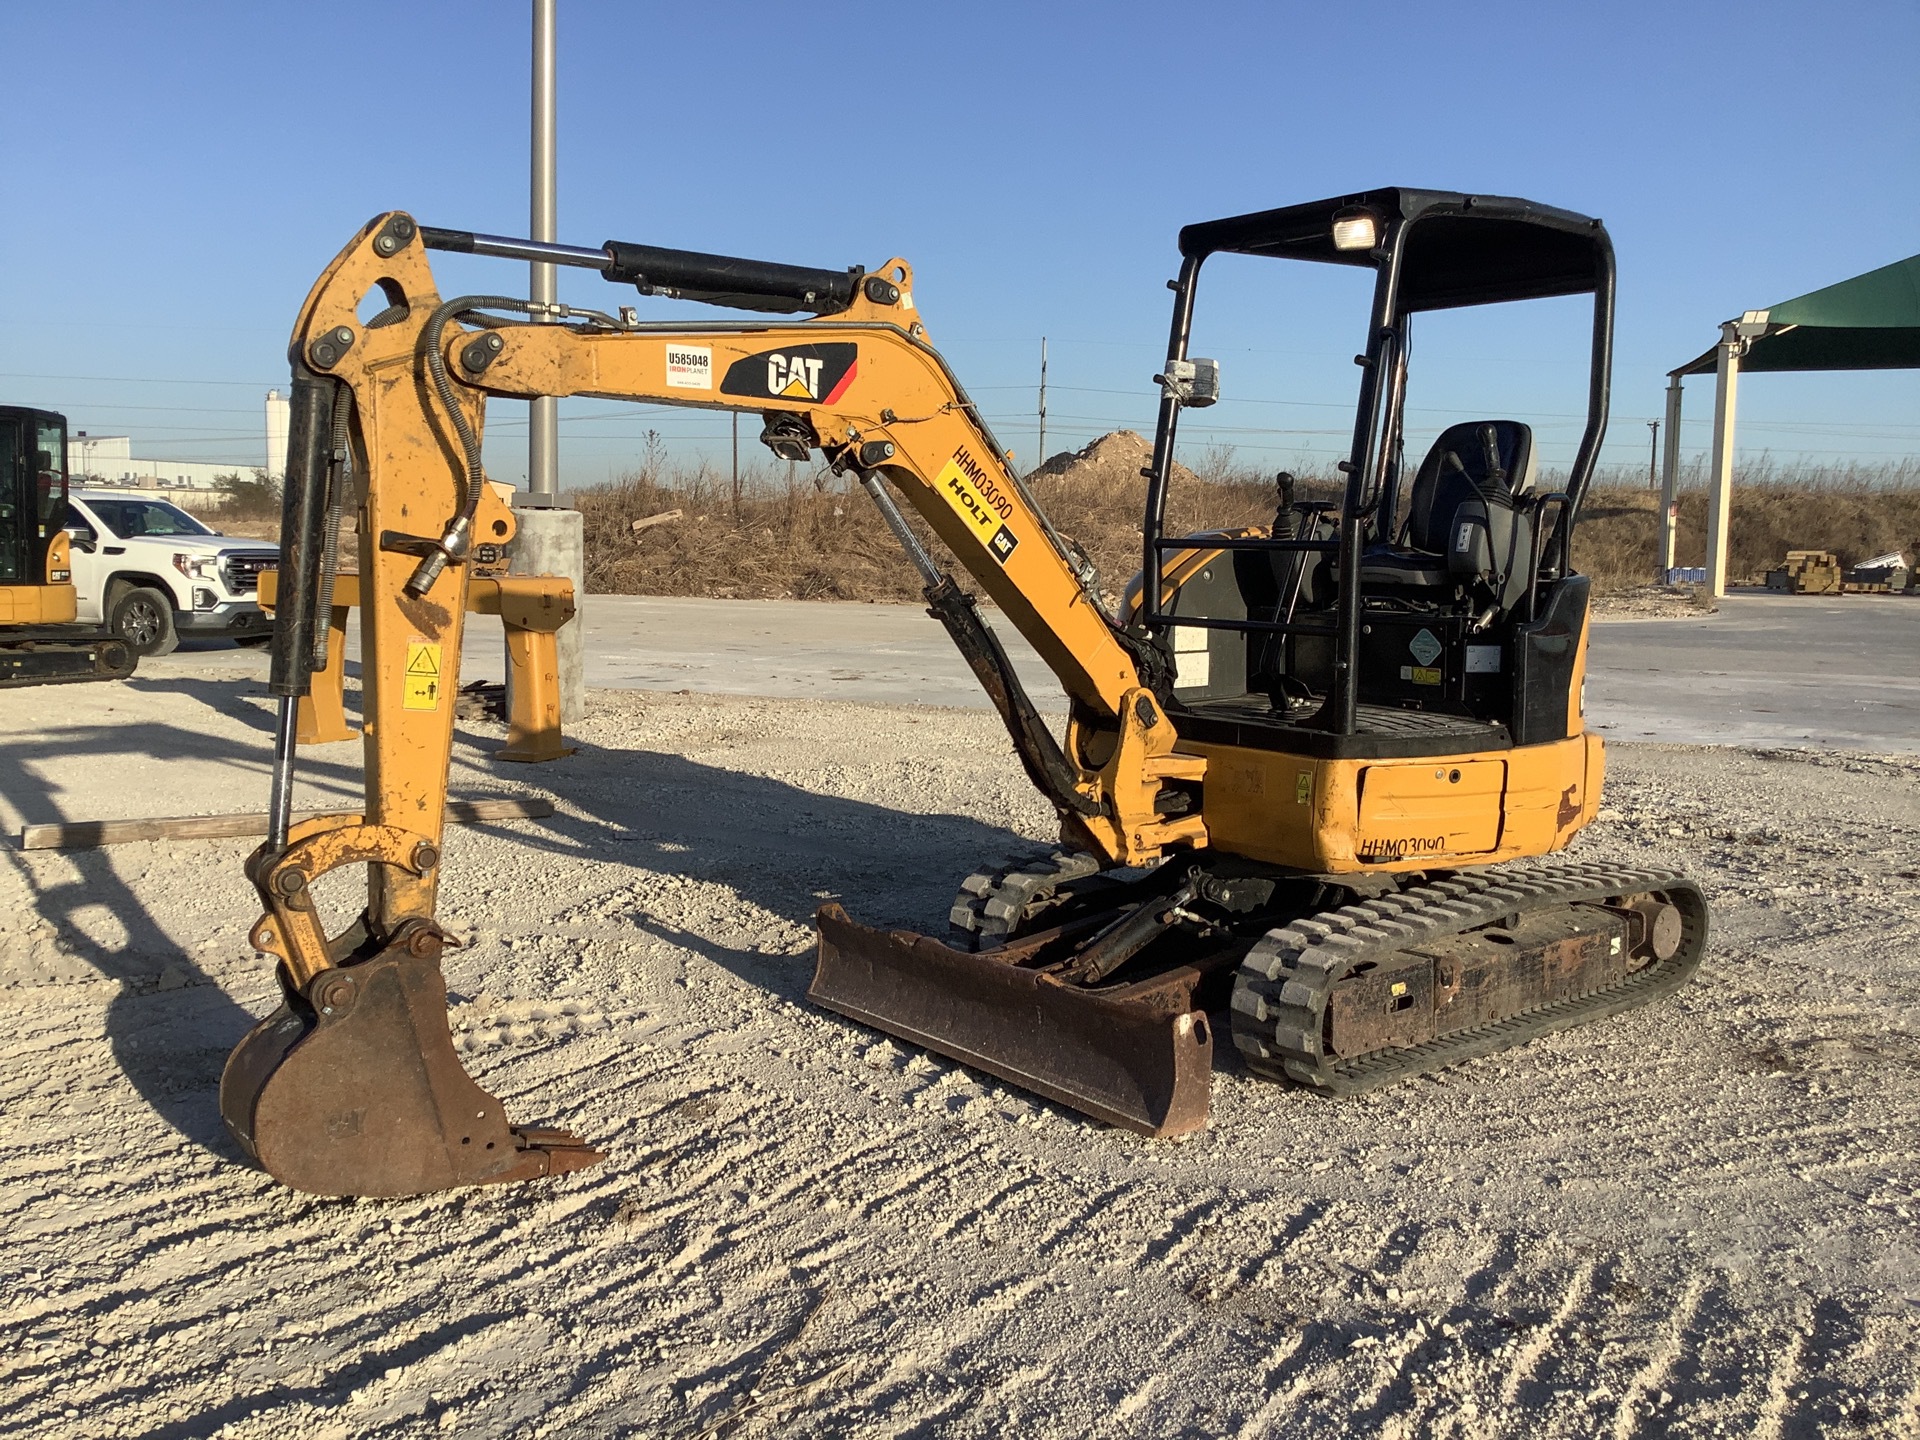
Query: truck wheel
[(143, 617)]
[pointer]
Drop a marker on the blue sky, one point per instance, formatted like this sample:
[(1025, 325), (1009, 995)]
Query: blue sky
[(188, 170)]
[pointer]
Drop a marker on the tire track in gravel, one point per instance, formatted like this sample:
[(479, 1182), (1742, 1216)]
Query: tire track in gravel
[(1784, 1372), (1650, 1378), (1520, 1370), (987, 1277)]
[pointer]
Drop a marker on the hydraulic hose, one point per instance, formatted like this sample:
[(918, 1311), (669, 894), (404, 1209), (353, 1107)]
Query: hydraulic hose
[(457, 539)]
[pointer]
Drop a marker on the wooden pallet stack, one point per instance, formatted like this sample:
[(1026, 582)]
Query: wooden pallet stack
[(1808, 572)]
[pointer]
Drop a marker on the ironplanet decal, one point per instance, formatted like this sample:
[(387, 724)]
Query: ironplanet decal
[(969, 487), (819, 373)]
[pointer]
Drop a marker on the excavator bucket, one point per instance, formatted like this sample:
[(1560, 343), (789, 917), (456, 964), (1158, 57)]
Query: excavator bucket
[(1137, 1054), (353, 1088)]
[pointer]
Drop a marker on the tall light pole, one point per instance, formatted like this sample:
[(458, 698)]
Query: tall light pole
[(543, 450), (551, 539), (1653, 455)]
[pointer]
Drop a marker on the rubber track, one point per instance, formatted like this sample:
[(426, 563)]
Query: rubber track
[(1281, 993), (992, 904)]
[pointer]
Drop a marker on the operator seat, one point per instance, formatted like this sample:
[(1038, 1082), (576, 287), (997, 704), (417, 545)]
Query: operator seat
[(1468, 520)]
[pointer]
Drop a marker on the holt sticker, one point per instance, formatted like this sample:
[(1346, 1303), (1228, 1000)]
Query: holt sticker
[(420, 687), (969, 487)]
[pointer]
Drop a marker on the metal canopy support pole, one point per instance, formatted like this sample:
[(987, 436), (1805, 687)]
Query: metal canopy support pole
[(1726, 392), (1736, 337), (1670, 482), (551, 539)]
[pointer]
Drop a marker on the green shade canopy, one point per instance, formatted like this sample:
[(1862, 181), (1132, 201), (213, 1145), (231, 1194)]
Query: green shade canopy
[(1871, 322)]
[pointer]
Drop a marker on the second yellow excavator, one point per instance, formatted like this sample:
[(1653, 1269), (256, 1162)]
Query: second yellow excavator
[(1295, 770)]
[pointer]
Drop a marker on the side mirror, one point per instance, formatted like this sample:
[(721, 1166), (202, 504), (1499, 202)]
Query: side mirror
[(82, 538)]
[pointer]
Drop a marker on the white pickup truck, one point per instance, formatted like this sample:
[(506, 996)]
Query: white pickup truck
[(152, 574)]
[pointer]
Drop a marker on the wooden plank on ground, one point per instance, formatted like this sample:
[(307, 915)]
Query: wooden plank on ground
[(661, 519), (91, 834)]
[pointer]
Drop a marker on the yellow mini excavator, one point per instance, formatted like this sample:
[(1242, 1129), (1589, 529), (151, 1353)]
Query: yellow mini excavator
[(1295, 771), (40, 643)]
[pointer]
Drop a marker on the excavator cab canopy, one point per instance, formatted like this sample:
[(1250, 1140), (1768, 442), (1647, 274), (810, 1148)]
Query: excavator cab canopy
[(1463, 548), (1459, 249)]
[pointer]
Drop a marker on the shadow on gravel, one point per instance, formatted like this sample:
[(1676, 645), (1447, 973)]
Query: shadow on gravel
[(781, 848), (170, 1025), (237, 698)]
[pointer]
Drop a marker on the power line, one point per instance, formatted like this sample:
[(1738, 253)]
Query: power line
[(141, 380)]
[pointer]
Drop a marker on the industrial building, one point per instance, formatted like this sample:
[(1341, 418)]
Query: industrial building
[(109, 459)]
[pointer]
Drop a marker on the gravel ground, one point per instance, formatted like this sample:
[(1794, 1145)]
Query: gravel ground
[(1701, 1219)]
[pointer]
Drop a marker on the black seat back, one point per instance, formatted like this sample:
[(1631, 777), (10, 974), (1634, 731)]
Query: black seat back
[(1468, 504), (1478, 459)]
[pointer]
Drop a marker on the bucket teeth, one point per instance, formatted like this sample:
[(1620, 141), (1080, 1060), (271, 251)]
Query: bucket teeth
[(353, 1088)]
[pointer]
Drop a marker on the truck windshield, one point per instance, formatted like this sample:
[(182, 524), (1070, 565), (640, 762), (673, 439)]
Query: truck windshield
[(131, 519)]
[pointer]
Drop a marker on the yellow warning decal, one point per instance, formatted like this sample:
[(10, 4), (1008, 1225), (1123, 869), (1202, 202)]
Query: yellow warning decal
[(421, 687), (977, 498)]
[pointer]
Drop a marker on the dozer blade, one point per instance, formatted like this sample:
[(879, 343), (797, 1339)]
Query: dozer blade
[(1137, 1055), (353, 1088)]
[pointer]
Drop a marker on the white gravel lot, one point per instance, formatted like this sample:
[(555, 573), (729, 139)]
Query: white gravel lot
[(1700, 1219)]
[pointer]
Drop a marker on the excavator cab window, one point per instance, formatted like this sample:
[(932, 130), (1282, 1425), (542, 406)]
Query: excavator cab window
[(50, 480), (33, 491)]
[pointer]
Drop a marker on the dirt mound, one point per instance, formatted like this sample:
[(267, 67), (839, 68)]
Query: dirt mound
[(1114, 461)]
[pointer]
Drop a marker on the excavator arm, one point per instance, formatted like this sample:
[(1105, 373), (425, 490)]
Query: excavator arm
[(352, 1085)]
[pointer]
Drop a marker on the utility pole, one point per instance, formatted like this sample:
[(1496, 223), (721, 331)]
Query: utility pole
[(736, 460), (1653, 455), (1041, 458), (551, 540)]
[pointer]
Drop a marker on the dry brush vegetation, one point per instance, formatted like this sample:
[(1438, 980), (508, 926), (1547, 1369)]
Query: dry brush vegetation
[(808, 536)]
